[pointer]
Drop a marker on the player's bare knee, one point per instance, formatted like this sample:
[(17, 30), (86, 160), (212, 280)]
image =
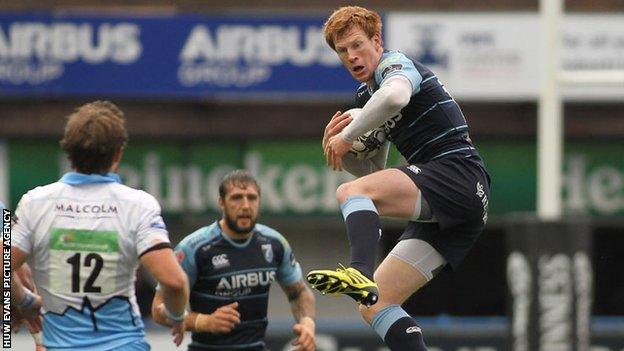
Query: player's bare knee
[(349, 189), (376, 276), (344, 191)]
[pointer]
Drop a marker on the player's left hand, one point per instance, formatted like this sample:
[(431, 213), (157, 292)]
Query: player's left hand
[(177, 328), (177, 331), (305, 335), (334, 150)]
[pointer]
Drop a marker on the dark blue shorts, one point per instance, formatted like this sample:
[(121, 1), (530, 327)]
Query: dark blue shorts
[(457, 189)]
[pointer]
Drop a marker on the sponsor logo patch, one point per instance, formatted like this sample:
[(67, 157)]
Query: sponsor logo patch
[(411, 330), (390, 69), (414, 169), (241, 284), (484, 201)]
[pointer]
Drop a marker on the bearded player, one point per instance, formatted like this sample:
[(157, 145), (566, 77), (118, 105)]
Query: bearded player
[(231, 265)]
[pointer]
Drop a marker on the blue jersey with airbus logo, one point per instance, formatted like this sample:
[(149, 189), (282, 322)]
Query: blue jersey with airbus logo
[(222, 271), (431, 125)]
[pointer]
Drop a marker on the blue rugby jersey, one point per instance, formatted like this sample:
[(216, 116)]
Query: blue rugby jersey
[(431, 125), (222, 271)]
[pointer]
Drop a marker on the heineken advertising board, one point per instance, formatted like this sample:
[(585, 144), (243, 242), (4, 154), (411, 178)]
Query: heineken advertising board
[(294, 179)]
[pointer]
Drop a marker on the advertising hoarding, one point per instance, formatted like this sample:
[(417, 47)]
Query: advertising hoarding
[(295, 180)]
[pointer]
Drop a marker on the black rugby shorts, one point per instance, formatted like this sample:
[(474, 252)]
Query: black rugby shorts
[(457, 188)]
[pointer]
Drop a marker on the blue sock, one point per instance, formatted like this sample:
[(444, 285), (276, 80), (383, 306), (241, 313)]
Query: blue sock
[(363, 230), (398, 330)]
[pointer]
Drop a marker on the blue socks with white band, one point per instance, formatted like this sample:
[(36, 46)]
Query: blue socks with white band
[(363, 230), (398, 330)]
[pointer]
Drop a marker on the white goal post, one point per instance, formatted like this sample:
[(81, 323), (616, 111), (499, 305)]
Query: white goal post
[(550, 118)]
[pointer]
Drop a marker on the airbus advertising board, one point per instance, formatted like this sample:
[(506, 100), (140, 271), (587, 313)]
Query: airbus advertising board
[(481, 56), (166, 56), (295, 180)]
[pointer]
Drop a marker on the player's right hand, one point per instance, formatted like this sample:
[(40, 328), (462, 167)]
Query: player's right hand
[(337, 123), (304, 330), (32, 314), (222, 320)]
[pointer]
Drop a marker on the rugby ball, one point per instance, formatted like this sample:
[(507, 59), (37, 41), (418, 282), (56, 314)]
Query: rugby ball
[(367, 145)]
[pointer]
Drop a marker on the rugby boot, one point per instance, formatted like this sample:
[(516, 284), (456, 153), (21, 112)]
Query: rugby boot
[(346, 281)]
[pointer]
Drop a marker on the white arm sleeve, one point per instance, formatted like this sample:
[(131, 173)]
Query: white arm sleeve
[(360, 168), (385, 103)]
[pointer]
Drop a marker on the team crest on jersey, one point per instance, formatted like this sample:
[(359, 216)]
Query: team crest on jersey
[(267, 250)]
